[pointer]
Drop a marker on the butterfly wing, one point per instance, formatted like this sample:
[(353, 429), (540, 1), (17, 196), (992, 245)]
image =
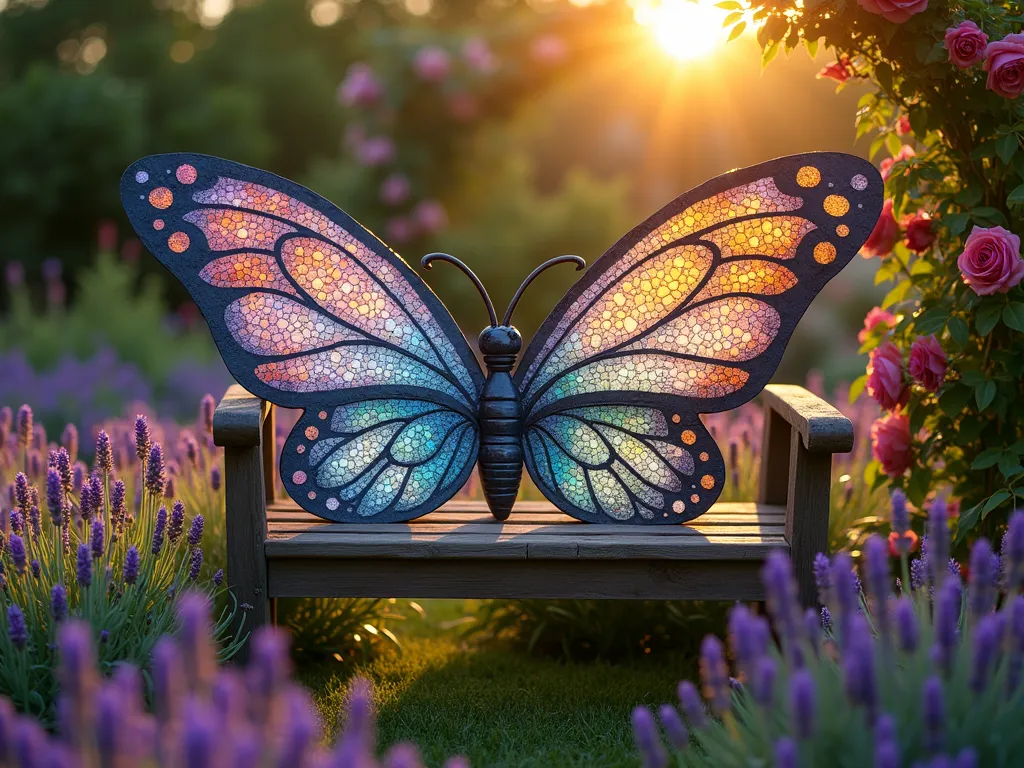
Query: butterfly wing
[(689, 313), (310, 310)]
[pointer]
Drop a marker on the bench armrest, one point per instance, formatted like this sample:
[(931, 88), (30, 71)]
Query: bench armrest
[(238, 419), (822, 428)]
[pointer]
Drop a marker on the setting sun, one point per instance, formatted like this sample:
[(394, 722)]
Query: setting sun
[(685, 29)]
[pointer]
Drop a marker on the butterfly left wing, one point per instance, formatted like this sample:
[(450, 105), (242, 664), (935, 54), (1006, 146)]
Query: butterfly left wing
[(310, 310), (688, 313)]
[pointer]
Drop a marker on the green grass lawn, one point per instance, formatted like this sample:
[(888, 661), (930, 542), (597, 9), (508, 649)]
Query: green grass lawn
[(497, 704)]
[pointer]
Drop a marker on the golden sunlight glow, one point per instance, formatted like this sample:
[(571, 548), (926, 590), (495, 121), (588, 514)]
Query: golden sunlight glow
[(685, 29)]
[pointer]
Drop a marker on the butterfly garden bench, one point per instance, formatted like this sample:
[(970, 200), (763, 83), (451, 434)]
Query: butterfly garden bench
[(274, 549)]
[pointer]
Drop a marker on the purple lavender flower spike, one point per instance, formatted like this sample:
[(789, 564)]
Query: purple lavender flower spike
[(228, 697), (78, 474), (84, 565), (648, 740), (1013, 553), (918, 573), (762, 686), (692, 706), (58, 603), (934, 713), (96, 539), (982, 580), (947, 618), (741, 638), (96, 484), (674, 727), (859, 664), (200, 737), (35, 463), (159, 529), (898, 516), (844, 588), (802, 703), (118, 508), (168, 674), (786, 753), (169, 488), (876, 567), (21, 492), (35, 568), (826, 619), (987, 637), (191, 449), (6, 420), (195, 564), (357, 739), (130, 571), (908, 633), (110, 733), (215, 478), (967, 758), (822, 576), (35, 521), (55, 499), (143, 439), (69, 440), (403, 756), (194, 637), (206, 408), (17, 522), (155, 474), (24, 427), (177, 526), (104, 454), (78, 681), (938, 541), (218, 577), (63, 465), (195, 531), (16, 629), (1016, 635), (104, 636), (714, 674), (18, 554), (85, 505)]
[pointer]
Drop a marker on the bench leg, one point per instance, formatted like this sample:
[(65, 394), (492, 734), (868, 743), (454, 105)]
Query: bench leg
[(807, 513), (246, 530)]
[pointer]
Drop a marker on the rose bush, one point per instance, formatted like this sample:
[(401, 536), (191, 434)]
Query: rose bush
[(946, 123)]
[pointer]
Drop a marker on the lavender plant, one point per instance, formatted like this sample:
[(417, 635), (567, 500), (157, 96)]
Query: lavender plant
[(203, 717), (928, 675), (112, 545)]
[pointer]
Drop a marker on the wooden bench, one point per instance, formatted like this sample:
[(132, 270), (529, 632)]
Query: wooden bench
[(274, 549)]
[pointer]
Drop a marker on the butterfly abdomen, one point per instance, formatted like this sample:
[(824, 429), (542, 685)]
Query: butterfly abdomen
[(501, 450)]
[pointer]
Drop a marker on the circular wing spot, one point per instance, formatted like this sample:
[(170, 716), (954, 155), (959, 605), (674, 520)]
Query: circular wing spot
[(824, 253), (311, 495), (689, 437), (808, 176), (158, 224), (186, 174), (675, 418), (300, 449), (694, 498), (704, 456), (332, 503), (707, 482), (322, 415), (142, 177), (312, 433), (836, 205), (161, 198), (299, 477), (859, 182), (678, 506), (178, 242), (842, 230)]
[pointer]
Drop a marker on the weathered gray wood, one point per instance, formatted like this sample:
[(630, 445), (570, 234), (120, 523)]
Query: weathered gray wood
[(774, 482), (807, 513), (238, 418), (822, 427), (268, 436), (518, 578)]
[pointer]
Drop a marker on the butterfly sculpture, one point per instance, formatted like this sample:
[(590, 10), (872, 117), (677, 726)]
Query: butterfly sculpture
[(689, 313)]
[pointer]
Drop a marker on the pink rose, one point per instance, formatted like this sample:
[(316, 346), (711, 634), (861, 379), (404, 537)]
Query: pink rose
[(896, 11), (432, 64), (883, 237), (966, 44), (839, 70), (430, 215), (1004, 62), (903, 126), (906, 152), (885, 376), (919, 234), (991, 261), (890, 443), (927, 362), (876, 317), (360, 86), (394, 189)]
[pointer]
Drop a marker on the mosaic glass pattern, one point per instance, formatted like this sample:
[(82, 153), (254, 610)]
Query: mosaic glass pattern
[(269, 324), (776, 237), (764, 278), (227, 229), (246, 270)]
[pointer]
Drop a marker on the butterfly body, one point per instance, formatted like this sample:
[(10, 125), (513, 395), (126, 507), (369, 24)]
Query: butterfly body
[(689, 313)]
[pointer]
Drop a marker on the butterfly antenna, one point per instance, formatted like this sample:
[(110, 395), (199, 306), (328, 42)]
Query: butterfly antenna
[(430, 258), (577, 260)]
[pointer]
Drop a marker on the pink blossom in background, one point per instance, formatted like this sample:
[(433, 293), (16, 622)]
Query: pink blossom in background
[(966, 44), (463, 106), (549, 49), (400, 229), (479, 56), (355, 135), (106, 236), (890, 443), (991, 261), (430, 215), (839, 70), (883, 237), (896, 11), (376, 150), (874, 318), (885, 376), (906, 152), (920, 234), (361, 86), (903, 125), (1004, 62), (927, 362), (432, 64), (394, 190)]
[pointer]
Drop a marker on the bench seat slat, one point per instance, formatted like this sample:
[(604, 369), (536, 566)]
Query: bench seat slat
[(517, 529)]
